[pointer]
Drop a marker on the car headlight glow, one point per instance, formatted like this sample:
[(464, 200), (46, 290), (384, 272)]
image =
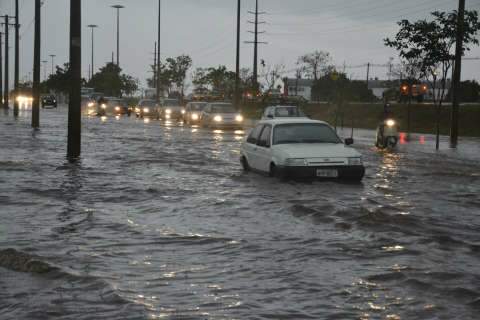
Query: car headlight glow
[(239, 118), (195, 116), (355, 161), (104, 106), (183, 111), (90, 104), (296, 162), (168, 111), (218, 119), (117, 108), (390, 123), (146, 110)]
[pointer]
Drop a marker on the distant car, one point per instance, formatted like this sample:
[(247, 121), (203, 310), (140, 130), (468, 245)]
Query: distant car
[(170, 109), (275, 112), (300, 148), (111, 106), (49, 101), (147, 108), (221, 115), (193, 111)]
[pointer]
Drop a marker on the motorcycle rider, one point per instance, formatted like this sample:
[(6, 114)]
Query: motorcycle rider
[(387, 114)]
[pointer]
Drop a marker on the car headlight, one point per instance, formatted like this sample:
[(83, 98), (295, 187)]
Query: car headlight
[(104, 106), (296, 162), (218, 119), (54, 101), (183, 111), (146, 110), (194, 116), (355, 161), (239, 118), (168, 111), (390, 123), (117, 108), (137, 109)]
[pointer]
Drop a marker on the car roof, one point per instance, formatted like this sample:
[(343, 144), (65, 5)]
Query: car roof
[(278, 121)]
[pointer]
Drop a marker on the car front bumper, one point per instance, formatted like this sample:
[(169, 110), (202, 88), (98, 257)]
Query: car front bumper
[(344, 172), (226, 125)]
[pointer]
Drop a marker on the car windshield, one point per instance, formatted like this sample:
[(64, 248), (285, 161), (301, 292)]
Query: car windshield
[(304, 133), (171, 103), (147, 103), (197, 106), (223, 108), (288, 112)]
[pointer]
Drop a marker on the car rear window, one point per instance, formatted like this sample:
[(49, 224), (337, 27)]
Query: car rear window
[(304, 133)]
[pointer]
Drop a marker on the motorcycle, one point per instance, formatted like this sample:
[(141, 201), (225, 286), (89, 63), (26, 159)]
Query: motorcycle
[(387, 134)]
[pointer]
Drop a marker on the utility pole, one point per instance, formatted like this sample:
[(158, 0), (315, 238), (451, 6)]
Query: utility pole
[(237, 67), (1, 70), (368, 74), (457, 74), (92, 26), (118, 7), (74, 106), (17, 61), (155, 65), (36, 68), (53, 57), (255, 45), (6, 89), (159, 63)]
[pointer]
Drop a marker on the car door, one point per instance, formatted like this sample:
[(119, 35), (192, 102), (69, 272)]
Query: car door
[(264, 151), (250, 147)]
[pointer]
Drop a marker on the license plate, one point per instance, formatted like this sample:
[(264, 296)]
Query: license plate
[(327, 173)]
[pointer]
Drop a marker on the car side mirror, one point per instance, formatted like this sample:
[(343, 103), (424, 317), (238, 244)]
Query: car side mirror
[(270, 116), (349, 141)]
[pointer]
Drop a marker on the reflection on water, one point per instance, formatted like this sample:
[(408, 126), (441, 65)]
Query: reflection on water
[(161, 222)]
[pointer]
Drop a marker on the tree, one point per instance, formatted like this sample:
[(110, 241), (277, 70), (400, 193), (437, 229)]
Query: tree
[(60, 80), (110, 81), (430, 45), (177, 69), (314, 64)]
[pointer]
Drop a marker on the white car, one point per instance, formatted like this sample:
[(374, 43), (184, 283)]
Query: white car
[(300, 148), (221, 115)]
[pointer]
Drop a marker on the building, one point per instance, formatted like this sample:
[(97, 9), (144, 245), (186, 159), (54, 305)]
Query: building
[(298, 87)]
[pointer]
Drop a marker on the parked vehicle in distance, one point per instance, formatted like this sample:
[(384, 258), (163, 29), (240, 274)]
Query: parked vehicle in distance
[(147, 108), (274, 112), (221, 115), (49, 101), (193, 111), (300, 148), (111, 106), (170, 109)]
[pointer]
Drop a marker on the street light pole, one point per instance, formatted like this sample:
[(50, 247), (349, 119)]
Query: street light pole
[(53, 57), (237, 69), (17, 62), (118, 7), (6, 89), (457, 73), (36, 68), (74, 104), (157, 84), (92, 26)]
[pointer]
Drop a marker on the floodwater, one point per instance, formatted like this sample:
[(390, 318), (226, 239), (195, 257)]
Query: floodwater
[(159, 222)]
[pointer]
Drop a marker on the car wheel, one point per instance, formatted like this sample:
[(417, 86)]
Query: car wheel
[(245, 165), (273, 170)]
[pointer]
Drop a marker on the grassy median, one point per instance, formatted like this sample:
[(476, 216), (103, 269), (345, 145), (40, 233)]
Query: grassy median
[(365, 115)]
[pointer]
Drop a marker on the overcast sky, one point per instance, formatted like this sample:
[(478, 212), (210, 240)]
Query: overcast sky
[(351, 30)]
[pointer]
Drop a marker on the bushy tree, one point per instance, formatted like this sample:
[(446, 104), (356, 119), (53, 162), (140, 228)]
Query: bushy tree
[(112, 82), (431, 44)]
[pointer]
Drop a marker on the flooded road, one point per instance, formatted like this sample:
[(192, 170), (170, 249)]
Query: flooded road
[(160, 222)]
